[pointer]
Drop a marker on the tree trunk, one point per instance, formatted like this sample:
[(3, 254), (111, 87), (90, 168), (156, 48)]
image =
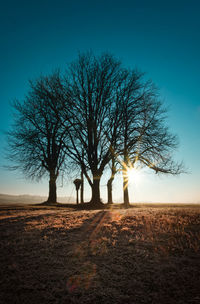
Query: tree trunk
[(125, 190), (110, 181), (82, 187), (109, 187), (77, 201), (52, 199), (96, 200), (125, 177)]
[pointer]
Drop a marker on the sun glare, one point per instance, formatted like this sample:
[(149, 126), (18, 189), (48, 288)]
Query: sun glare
[(134, 175)]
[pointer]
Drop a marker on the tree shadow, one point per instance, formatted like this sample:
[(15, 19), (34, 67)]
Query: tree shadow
[(41, 254), (104, 256)]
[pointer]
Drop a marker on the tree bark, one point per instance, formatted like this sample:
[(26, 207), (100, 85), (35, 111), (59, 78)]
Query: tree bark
[(52, 199), (110, 182), (125, 176), (125, 190), (82, 187), (96, 200), (77, 201), (109, 188)]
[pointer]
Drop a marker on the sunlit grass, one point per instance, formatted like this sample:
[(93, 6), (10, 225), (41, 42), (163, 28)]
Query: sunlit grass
[(117, 255)]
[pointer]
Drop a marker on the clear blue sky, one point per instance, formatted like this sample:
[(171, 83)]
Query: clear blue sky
[(161, 38)]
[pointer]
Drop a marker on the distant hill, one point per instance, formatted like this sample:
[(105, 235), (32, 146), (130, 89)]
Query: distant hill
[(7, 199)]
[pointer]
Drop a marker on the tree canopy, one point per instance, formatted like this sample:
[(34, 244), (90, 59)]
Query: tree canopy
[(37, 136), (96, 113)]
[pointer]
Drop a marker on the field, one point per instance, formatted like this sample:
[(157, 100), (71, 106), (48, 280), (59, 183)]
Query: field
[(145, 254)]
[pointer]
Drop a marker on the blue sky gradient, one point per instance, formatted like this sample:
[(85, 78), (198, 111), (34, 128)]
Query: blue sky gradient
[(161, 38)]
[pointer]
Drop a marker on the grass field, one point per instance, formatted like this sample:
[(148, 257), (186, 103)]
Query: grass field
[(146, 254)]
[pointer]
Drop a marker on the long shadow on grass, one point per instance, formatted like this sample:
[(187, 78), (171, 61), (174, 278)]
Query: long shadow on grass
[(91, 257), (40, 256)]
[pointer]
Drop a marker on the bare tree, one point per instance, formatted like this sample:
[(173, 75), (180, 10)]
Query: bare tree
[(98, 113), (36, 139), (113, 170), (77, 183), (90, 89), (113, 114), (145, 137)]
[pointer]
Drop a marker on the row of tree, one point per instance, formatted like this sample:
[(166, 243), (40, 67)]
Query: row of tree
[(96, 115)]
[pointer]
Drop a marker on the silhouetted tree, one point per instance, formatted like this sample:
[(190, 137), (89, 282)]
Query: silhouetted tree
[(37, 136), (112, 113), (113, 170), (77, 183), (82, 182), (98, 113), (91, 87), (145, 138)]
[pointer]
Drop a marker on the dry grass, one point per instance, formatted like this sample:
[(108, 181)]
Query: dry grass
[(140, 255)]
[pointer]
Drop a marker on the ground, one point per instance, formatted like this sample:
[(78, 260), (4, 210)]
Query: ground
[(146, 254)]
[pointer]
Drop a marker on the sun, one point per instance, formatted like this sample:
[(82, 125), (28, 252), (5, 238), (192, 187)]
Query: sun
[(133, 175)]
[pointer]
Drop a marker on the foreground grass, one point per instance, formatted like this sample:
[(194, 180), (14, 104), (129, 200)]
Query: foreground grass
[(140, 255)]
